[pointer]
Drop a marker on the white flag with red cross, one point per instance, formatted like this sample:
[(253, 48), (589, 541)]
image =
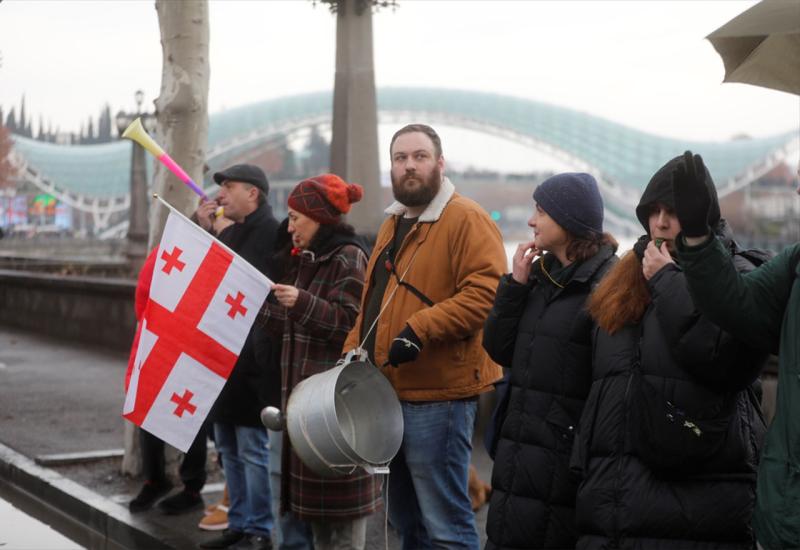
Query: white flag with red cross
[(203, 300)]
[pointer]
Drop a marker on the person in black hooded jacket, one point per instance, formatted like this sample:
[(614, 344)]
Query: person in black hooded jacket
[(539, 330), (670, 434)]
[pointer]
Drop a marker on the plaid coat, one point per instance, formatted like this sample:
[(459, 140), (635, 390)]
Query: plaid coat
[(313, 332)]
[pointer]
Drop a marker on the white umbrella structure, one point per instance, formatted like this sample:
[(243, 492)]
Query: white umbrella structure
[(761, 46)]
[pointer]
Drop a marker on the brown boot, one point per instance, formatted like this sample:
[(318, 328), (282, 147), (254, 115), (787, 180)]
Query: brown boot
[(225, 501), (216, 518)]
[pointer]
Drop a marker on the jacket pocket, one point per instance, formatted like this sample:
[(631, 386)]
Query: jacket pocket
[(460, 350), (670, 438), (562, 428)]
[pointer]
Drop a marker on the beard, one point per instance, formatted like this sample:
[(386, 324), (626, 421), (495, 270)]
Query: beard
[(422, 194)]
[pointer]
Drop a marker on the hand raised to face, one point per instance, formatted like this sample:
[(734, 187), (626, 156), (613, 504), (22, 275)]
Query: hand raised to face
[(521, 263), (655, 258)]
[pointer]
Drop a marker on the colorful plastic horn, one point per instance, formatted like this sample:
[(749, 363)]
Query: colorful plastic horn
[(135, 131)]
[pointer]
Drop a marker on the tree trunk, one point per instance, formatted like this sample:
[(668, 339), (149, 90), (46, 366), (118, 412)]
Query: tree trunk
[(354, 146), (132, 459), (182, 130), (182, 106), (7, 171)]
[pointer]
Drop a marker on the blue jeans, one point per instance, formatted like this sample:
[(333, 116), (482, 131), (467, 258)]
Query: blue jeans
[(427, 492), (245, 460), (292, 533)]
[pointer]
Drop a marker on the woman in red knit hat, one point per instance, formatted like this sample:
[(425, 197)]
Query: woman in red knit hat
[(313, 309)]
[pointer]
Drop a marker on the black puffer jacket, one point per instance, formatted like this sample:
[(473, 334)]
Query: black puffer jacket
[(624, 503), (544, 334), (267, 346), (247, 390)]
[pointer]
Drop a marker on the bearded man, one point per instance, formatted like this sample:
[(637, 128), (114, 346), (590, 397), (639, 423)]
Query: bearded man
[(432, 277)]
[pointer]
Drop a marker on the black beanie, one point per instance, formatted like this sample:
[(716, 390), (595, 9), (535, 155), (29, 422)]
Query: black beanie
[(573, 200)]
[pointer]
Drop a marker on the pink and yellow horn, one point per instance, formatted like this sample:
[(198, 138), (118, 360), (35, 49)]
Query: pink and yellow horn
[(136, 132)]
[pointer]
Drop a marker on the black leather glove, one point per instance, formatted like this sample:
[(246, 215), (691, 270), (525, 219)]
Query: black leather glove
[(405, 348), (692, 199)]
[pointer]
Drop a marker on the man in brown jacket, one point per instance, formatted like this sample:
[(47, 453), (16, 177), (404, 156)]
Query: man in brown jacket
[(432, 276)]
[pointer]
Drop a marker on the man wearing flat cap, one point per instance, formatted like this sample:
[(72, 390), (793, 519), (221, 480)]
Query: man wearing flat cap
[(238, 432)]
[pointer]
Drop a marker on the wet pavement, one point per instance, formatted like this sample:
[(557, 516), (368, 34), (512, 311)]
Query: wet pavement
[(19, 531), (57, 397)]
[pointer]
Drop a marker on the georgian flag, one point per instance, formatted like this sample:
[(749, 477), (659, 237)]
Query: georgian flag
[(203, 300)]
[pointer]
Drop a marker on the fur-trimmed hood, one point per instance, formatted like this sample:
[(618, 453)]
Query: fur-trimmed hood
[(434, 209), (454, 256)]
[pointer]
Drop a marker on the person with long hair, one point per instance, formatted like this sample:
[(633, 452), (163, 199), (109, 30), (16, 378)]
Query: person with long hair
[(670, 434), (313, 308), (539, 330)]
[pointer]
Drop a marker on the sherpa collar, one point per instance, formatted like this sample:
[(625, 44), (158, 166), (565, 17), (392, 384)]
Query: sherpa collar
[(434, 209)]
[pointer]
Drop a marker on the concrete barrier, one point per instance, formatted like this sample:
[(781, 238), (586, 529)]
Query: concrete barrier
[(76, 512), (90, 310)]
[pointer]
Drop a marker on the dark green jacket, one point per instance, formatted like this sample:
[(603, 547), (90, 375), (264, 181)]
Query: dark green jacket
[(763, 309)]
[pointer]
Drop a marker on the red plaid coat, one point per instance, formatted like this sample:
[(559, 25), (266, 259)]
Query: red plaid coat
[(313, 332)]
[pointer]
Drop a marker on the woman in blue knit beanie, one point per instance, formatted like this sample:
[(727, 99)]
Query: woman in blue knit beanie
[(539, 331)]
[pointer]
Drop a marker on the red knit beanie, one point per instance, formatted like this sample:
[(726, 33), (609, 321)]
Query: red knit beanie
[(324, 198)]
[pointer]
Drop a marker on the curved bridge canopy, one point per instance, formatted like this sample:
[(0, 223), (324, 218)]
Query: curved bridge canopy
[(622, 157)]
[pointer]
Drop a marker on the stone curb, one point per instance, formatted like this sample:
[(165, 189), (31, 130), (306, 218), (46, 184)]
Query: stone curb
[(82, 515)]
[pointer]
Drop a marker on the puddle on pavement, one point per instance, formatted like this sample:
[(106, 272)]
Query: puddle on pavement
[(19, 531)]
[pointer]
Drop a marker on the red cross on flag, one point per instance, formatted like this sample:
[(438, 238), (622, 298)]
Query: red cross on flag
[(203, 300)]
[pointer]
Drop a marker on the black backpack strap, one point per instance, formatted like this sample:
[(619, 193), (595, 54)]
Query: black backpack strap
[(390, 264), (411, 288)]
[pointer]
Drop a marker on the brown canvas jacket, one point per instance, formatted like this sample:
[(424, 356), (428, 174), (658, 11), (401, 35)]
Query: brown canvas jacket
[(454, 255)]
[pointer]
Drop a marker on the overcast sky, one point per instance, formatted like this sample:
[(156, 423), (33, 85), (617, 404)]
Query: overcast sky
[(642, 63)]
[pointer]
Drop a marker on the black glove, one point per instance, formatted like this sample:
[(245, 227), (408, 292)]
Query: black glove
[(692, 199), (405, 348), (640, 245)]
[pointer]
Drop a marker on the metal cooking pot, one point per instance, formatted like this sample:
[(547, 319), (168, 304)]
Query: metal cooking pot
[(342, 419)]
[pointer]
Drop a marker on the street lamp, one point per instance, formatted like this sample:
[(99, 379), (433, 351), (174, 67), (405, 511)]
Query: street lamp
[(136, 239)]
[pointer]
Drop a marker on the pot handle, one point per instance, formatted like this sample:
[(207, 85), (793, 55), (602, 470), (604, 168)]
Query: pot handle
[(273, 419), (355, 354)]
